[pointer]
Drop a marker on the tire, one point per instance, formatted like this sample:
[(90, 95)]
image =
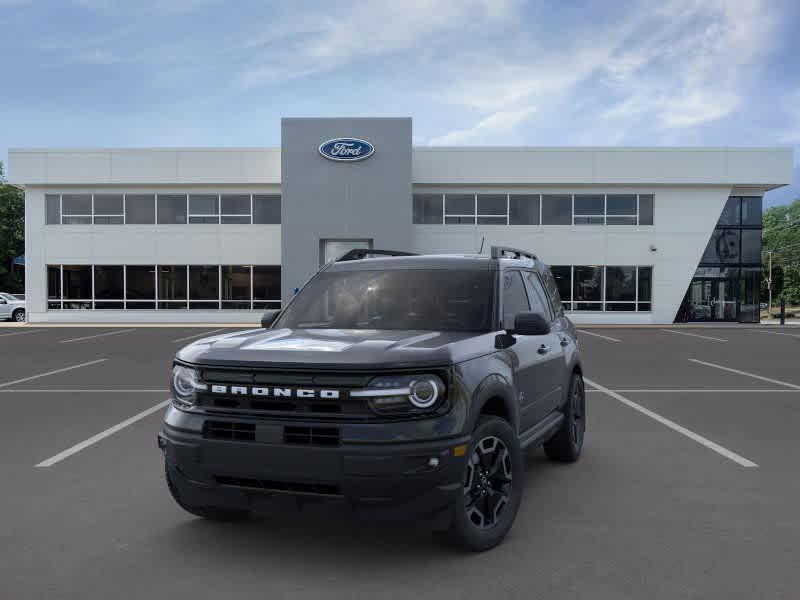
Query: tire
[(567, 443), (494, 473), (18, 316), (212, 513)]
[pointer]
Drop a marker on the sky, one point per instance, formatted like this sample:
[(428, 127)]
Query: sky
[(108, 73)]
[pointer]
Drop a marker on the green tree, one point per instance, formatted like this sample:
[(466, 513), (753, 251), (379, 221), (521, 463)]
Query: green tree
[(781, 235), (12, 235)]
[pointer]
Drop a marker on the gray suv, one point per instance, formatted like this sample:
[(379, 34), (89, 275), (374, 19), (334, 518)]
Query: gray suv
[(391, 385)]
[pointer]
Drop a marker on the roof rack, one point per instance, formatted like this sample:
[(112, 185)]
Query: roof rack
[(359, 253), (502, 251)]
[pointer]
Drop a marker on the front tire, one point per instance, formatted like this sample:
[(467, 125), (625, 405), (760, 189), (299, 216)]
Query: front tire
[(18, 316), (212, 513), (492, 487), (567, 443)]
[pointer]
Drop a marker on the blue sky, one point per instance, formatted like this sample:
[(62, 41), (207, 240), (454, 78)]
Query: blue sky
[(470, 72)]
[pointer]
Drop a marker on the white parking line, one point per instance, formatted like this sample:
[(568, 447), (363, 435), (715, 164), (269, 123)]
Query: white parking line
[(24, 379), (699, 391), (22, 332), (104, 391), (199, 335), (605, 337), (795, 335), (91, 337), (738, 459), (746, 374), (100, 436), (697, 335)]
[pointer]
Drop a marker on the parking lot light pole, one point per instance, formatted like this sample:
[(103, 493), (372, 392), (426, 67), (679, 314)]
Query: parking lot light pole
[(769, 286)]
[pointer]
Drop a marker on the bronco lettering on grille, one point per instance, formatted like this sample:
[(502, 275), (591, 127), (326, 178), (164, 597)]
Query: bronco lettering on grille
[(274, 392)]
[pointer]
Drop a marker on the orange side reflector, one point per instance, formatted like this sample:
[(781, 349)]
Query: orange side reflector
[(460, 450)]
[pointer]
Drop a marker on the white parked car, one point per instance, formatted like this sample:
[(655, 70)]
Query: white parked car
[(12, 308)]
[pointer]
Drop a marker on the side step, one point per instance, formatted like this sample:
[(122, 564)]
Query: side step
[(537, 435)]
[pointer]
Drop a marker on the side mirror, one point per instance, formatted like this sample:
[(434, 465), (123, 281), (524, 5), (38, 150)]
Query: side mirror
[(268, 318), (530, 323)]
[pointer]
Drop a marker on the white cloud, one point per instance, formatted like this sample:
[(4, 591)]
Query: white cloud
[(496, 122)]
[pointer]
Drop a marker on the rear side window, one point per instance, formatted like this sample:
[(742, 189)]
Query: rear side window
[(539, 301), (552, 291), (515, 299)]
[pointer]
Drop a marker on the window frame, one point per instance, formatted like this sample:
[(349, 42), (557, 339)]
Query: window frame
[(569, 304)]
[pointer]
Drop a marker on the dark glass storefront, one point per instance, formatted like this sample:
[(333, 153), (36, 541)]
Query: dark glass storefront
[(726, 283)]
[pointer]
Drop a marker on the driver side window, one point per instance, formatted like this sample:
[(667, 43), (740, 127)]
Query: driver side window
[(515, 298)]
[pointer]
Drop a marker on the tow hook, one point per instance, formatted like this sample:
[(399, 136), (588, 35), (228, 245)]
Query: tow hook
[(162, 443)]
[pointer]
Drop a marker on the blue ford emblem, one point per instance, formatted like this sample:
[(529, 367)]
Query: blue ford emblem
[(346, 149)]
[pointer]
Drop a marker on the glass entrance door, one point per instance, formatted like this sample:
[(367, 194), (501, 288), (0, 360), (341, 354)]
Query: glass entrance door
[(711, 300)]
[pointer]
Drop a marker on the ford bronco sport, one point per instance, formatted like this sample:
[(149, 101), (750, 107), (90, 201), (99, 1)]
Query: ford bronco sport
[(390, 384)]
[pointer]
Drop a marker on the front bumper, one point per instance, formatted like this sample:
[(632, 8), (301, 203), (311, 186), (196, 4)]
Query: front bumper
[(418, 479)]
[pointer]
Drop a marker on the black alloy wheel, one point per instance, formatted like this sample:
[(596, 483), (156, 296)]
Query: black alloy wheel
[(488, 481)]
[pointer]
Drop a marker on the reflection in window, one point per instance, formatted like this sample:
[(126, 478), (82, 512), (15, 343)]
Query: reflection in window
[(646, 208), (236, 287), (204, 208), (235, 209), (621, 284), (751, 211), (730, 213), (589, 209), (172, 286), (557, 209), (492, 209), (53, 209), (723, 247), (751, 246), (428, 209), (108, 282), (203, 286), (76, 209), (749, 295), (588, 287), (267, 209), (108, 209), (171, 209), (459, 209), (523, 209), (266, 286), (140, 209), (77, 285), (54, 287), (563, 278)]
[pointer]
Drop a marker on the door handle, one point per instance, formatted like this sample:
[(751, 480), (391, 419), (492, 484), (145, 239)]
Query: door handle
[(565, 341), (543, 349)]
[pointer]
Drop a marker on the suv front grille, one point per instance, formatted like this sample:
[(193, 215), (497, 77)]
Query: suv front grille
[(223, 430), (311, 436)]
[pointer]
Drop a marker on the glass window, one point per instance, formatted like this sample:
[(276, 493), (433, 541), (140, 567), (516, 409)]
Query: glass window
[(203, 286), (267, 209), (266, 286), (76, 209), (751, 211), (723, 247), (171, 209), (645, 286), (332, 249), (140, 282), (459, 209), (395, 299), (731, 212), (428, 209), (536, 295), (589, 209), (53, 282), (523, 209), (108, 282), (588, 287), (750, 294), (646, 209), (515, 299), (77, 282), (235, 208), (53, 209), (108, 209), (492, 209), (751, 246), (621, 284), (562, 279), (236, 287), (140, 209), (557, 209), (172, 286), (203, 208), (621, 204)]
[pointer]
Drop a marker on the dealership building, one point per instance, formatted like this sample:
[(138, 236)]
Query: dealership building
[(633, 235)]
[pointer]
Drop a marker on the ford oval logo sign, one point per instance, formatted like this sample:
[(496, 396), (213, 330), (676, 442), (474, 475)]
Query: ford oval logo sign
[(346, 149)]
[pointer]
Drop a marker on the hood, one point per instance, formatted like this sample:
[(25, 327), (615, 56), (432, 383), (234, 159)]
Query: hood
[(337, 348)]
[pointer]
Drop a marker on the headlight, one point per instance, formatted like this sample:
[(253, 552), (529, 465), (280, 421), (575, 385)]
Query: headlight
[(185, 385), (403, 394)]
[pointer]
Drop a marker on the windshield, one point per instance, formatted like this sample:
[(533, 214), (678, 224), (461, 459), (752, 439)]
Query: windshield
[(432, 299)]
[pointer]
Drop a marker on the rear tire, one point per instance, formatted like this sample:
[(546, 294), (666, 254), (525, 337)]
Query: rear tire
[(493, 482), (212, 513), (567, 443), (18, 316)]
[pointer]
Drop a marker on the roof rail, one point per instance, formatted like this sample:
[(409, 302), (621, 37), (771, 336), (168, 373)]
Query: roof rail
[(502, 251), (359, 253)]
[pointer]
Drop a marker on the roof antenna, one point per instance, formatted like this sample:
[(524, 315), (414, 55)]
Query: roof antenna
[(483, 239)]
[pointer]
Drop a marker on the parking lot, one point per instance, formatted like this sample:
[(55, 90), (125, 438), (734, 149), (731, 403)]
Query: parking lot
[(687, 488)]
